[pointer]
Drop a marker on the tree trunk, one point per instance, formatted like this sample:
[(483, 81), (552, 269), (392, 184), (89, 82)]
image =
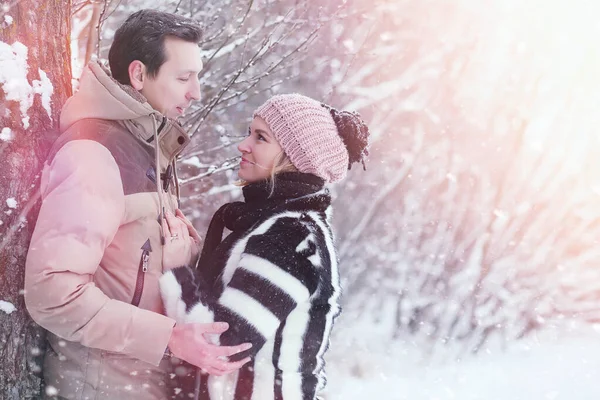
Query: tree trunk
[(43, 28)]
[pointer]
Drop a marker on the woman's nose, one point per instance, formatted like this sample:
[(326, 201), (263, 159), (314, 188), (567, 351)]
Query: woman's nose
[(243, 146)]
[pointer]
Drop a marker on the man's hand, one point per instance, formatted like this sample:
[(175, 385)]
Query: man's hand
[(188, 343)]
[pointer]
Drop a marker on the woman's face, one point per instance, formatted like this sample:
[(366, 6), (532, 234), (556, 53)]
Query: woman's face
[(259, 152)]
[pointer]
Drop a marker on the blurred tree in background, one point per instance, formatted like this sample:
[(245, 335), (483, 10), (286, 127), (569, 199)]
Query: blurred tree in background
[(475, 223)]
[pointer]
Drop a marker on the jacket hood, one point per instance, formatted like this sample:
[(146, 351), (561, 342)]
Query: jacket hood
[(100, 96)]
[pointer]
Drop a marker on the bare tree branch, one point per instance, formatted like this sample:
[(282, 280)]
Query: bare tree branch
[(226, 165)]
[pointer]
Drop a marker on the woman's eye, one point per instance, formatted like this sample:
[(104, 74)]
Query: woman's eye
[(261, 137), (183, 79)]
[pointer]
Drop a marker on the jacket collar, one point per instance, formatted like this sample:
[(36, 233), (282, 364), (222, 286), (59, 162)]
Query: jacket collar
[(102, 97), (172, 137)]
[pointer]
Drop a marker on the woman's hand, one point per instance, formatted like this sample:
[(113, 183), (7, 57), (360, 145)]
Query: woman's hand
[(180, 248), (192, 232)]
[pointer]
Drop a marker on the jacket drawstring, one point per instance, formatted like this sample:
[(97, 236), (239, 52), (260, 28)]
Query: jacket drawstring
[(174, 164), (161, 210)]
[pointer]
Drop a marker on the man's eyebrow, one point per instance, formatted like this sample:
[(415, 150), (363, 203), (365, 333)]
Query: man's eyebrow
[(189, 71)]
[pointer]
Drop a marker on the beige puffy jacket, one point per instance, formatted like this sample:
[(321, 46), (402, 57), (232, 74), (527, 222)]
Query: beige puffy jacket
[(92, 271)]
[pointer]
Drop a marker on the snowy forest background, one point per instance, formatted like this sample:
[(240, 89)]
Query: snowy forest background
[(469, 247)]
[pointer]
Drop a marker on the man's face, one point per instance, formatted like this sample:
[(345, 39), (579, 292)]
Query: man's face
[(176, 85)]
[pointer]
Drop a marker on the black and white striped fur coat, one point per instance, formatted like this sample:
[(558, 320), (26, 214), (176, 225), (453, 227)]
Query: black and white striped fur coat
[(277, 285)]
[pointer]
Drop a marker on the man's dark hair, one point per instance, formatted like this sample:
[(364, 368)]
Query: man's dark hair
[(142, 37)]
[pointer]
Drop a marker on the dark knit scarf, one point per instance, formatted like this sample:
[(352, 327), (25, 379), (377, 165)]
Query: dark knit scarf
[(259, 203)]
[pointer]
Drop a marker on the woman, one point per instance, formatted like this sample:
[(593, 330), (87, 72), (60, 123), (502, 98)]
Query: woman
[(274, 279)]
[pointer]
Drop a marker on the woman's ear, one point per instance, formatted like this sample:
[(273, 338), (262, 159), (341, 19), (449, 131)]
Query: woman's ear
[(137, 74)]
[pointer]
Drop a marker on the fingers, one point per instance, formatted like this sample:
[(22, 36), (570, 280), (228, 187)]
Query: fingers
[(213, 371), (209, 357), (225, 367), (241, 363), (192, 231), (233, 366), (231, 350), (215, 327), (179, 214), (176, 226), (220, 351), (172, 222)]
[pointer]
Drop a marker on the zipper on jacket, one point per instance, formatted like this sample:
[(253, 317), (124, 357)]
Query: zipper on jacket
[(142, 269)]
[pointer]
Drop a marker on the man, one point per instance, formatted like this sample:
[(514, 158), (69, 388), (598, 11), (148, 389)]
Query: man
[(95, 257)]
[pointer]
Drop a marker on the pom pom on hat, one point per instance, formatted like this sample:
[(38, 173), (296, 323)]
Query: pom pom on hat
[(354, 132)]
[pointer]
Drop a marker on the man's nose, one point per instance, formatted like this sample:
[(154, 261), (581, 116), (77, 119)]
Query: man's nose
[(194, 91)]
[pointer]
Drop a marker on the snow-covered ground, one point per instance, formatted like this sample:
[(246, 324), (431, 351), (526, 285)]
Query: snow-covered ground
[(549, 366)]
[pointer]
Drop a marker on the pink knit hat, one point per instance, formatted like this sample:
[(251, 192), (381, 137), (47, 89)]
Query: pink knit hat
[(306, 131)]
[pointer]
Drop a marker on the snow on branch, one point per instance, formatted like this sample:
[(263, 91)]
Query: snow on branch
[(226, 165)]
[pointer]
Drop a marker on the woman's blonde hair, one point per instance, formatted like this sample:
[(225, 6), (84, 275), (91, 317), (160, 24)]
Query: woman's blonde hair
[(281, 163)]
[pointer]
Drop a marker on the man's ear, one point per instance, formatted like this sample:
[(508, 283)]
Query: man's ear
[(137, 74)]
